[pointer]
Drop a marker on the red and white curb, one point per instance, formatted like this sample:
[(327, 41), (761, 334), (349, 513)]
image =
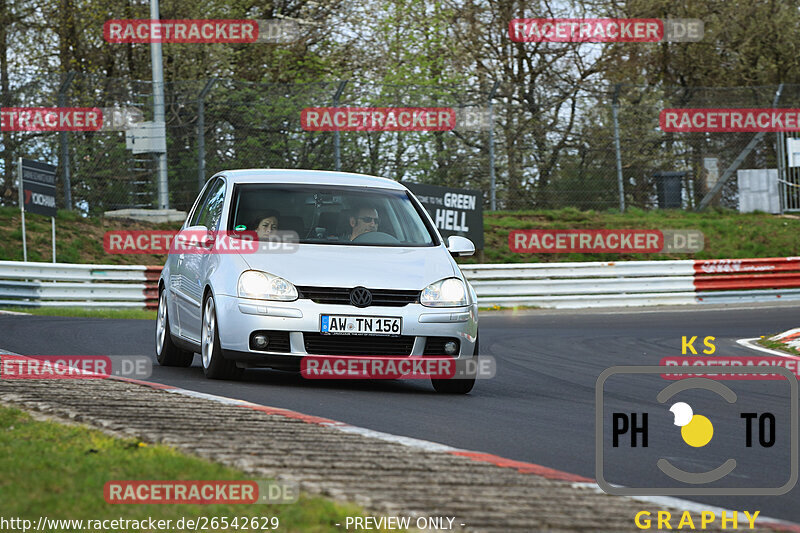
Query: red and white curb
[(577, 481), (790, 338)]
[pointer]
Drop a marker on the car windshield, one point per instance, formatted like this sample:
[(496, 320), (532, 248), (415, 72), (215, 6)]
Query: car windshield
[(331, 214)]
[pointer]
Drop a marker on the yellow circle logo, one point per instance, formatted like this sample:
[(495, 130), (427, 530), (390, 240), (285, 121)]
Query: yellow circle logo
[(696, 430)]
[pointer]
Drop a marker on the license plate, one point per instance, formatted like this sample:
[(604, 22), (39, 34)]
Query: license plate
[(360, 325)]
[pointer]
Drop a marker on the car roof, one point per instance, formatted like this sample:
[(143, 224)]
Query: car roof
[(321, 177)]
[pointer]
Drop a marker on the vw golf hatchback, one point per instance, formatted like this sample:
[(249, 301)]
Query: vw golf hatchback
[(360, 270)]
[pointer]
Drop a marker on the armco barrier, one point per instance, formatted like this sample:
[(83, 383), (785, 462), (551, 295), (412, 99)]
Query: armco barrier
[(556, 285), (69, 285), (634, 283)]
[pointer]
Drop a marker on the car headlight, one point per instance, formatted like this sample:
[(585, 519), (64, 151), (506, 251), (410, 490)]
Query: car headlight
[(448, 292), (265, 286)]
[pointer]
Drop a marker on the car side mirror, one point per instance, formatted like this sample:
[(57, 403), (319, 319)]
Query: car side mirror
[(198, 236), (460, 246), (208, 240)]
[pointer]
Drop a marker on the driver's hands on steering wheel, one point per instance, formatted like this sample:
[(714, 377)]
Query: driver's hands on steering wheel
[(376, 237)]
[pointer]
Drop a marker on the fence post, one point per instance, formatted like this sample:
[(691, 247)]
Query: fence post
[(63, 142), (492, 187), (158, 110), (201, 134), (615, 112), (783, 174), (336, 149)]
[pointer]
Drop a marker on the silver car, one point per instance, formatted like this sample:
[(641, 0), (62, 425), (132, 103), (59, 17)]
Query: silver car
[(366, 274)]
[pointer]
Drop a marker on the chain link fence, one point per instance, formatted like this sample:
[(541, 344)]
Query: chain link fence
[(553, 147)]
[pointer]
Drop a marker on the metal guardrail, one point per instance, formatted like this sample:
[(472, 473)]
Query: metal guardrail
[(583, 285), (636, 283), (73, 285), (556, 285)]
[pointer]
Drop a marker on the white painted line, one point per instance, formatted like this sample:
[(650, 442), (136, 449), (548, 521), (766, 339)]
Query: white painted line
[(749, 343), (406, 441), (212, 397)]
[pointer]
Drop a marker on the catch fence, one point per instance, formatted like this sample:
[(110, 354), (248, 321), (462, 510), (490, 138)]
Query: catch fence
[(548, 148)]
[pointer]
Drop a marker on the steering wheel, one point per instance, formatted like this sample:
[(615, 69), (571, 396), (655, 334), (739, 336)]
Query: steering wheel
[(376, 237)]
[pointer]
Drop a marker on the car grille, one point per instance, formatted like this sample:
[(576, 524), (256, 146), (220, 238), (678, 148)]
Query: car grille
[(318, 344), (341, 296), (435, 345)]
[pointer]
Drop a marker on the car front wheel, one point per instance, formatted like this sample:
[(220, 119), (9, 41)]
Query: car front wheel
[(214, 365), (459, 385)]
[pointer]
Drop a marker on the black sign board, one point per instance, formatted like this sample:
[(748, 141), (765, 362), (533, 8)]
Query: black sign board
[(39, 187), (454, 211)]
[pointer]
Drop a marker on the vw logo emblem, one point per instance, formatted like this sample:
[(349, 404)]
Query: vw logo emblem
[(360, 297)]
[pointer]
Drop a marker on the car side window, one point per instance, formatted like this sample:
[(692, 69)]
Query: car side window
[(194, 217), (213, 209)]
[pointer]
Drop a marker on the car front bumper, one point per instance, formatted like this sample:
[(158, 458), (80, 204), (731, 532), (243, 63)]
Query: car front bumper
[(238, 318)]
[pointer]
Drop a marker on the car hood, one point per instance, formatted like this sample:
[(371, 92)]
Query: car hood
[(377, 267)]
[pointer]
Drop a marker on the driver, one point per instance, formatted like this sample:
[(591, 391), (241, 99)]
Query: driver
[(266, 224), (364, 220)]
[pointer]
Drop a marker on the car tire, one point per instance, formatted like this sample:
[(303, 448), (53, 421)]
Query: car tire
[(167, 353), (456, 386), (215, 366)]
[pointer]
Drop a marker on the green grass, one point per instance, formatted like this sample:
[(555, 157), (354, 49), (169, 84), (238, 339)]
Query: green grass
[(727, 234), (78, 239), (507, 307), (59, 471), (767, 342), (85, 312)]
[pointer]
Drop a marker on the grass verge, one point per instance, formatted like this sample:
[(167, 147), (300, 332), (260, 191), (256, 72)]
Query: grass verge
[(767, 342), (59, 471), (728, 235), (85, 312)]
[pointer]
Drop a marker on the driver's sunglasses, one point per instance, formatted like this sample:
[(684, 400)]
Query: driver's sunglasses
[(368, 220)]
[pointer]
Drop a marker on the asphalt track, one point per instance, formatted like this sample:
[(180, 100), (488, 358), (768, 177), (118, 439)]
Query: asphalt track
[(540, 408)]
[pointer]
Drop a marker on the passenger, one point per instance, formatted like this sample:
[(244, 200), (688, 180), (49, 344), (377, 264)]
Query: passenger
[(364, 220), (266, 224)]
